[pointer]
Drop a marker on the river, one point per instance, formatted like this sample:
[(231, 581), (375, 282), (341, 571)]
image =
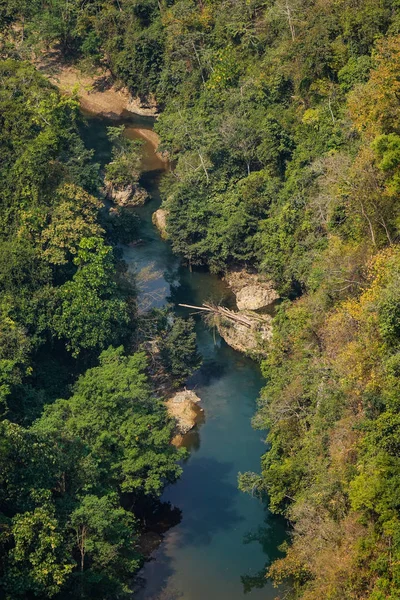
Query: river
[(225, 538)]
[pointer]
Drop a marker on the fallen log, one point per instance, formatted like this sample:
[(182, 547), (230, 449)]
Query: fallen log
[(224, 312)]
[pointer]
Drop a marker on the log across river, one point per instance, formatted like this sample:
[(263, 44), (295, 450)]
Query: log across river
[(222, 539), (222, 311)]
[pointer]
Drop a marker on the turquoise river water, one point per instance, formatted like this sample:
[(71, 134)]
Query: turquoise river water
[(225, 539)]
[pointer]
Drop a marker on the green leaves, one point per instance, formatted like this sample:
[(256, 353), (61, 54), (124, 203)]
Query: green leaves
[(125, 429), (39, 562), (91, 312), (61, 483), (104, 539)]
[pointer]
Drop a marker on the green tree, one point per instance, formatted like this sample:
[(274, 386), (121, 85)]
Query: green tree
[(105, 542), (125, 428), (178, 351), (39, 561), (91, 313)]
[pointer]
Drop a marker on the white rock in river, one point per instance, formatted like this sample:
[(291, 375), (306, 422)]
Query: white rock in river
[(252, 291), (183, 408)]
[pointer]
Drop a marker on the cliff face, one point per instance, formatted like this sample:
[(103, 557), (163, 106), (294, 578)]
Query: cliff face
[(253, 292)]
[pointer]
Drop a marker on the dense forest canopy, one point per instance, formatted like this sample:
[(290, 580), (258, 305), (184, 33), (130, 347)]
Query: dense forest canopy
[(282, 120), (74, 470)]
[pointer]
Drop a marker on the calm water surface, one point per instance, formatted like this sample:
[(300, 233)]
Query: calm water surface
[(225, 539)]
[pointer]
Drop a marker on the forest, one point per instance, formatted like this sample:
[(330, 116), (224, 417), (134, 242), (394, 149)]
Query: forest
[(281, 118), (74, 471)]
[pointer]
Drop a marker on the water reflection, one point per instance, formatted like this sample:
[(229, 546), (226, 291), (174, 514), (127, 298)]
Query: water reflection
[(270, 536), (211, 497), (192, 440), (209, 371)]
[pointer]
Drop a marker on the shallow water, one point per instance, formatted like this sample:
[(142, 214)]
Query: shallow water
[(220, 548)]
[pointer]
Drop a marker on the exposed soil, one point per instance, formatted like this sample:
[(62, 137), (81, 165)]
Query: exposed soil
[(98, 94)]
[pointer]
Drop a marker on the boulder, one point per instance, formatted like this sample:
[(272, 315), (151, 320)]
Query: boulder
[(130, 195), (252, 291), (183, 408), (160, 221), (146, 107)]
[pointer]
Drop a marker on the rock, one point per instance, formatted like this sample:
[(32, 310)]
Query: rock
[(146, 107), (252, 291), (160, 221), (130, 195), (253, 297), (177, 440), (183, 408), (252, 341), (98, 93)]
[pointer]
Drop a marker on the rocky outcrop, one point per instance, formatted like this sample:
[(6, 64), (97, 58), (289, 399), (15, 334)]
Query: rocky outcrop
[(252, 291), (160, 221), (249, 340), (246, 331), (146, 107), (98, 93), (130, 195), (183, 407)]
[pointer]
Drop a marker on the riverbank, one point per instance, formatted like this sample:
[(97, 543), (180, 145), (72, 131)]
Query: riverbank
[(97, 91), (100, 97)]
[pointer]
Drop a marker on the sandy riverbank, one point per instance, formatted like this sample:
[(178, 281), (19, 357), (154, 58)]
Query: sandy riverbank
[(98, 95)]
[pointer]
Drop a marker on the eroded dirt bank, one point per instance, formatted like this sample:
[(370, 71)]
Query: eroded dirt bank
[(99, 96)]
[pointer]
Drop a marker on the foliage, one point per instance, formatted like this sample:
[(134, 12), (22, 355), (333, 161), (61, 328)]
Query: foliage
[(113, 411), (57, 275), (330, 404), (124, 168), (282, 121), (91, 313), (62, 481), (65, 480), (171, 344), (178, 351)]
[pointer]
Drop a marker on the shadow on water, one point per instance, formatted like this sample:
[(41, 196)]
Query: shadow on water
[(270, 536), (209, 371), (211, 498)]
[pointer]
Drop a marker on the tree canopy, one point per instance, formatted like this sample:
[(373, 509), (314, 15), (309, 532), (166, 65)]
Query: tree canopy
[(281, 120)]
